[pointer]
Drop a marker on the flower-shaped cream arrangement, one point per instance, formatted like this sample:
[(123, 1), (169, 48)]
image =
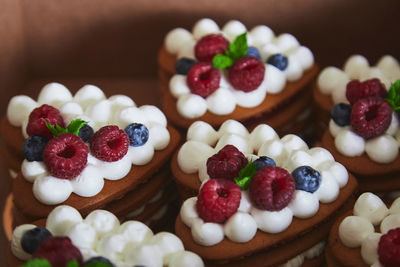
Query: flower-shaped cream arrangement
[(253, 186), (98, 238), (223, 72), (368, 235), (69, 159)]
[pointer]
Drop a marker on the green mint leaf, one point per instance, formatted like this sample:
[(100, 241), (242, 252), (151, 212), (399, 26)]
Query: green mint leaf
[(238, 48), (51, 128), (393, 97), (222, 62), (73, 263), (246, 175), (75, 126), (98, 264), (37, 263)]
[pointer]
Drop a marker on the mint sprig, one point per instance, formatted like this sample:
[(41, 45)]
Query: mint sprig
[(37, 263), (73, 127), (246, 175), (73, 263), (393, 97), (237, 49)]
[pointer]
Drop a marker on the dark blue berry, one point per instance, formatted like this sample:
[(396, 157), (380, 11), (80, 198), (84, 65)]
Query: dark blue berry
[(306, 178), (33, 147), (263, 162), (85, 132), (278, 60), (98, 259), (340, 114), (253, 51), (31, 239), (183, 65), (138, 134)]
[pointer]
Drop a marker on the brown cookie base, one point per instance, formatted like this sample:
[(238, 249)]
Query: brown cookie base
[(273, 249), (338, 254), (31, 208), (371, 176)]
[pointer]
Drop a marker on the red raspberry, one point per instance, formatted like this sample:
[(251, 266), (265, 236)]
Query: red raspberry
[(210, 45), (58, 251), (272, 188), (389, 248), (203, 79), (110, 143), (247, 73), (370, 117), (65, 156), (226, 163), (218, 200), (37, 118), (356, 90)]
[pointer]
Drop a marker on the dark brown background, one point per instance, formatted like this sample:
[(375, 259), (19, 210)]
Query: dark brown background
[(102, 41)]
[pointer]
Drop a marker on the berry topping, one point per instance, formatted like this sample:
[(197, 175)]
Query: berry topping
[(272, 188), (227, 163), (340, 113), (65, 156), (109, 143), (203, 79), (389, 248), (370, 117), (33, 147), (218, 200), (263, 162), (183, 65), (278, 60), (247, 73), (58, 251), (31, 239), (138, 134), (97, 259), (356, 90), (253, 51), (38, 117), (85, 133), (210, 45), (306, 179)]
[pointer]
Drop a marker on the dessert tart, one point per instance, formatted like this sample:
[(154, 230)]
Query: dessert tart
[(368, 235), (66, 236), (330, 87), (87, 151), (262, 200), (364, 134), (214, 74)]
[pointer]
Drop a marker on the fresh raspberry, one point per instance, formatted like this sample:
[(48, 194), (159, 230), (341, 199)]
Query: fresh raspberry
[(203, 79), (210, 45), (247, 73), (272, 188), (109, 143), (36, 124), (65, 156), (226, 163), (356, 90), (370, 117), (218, 200), (389, 248), (58, 251)]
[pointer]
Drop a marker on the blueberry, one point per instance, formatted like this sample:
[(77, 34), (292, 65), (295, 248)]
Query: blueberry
[(138, 134), (278, 60), (33, 147), (98, 259), (86, 132), (340, 113), (306, 178), (183, 65), (31, 239), (253, 51), (263, 162)]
